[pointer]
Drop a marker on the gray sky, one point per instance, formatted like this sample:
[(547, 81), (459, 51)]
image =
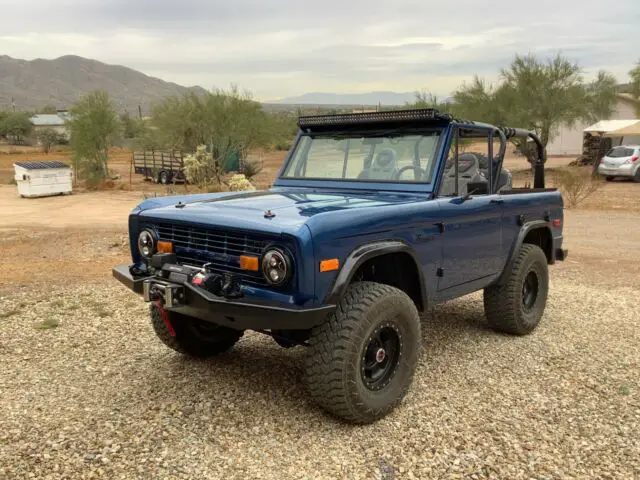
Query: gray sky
[(278, 48)]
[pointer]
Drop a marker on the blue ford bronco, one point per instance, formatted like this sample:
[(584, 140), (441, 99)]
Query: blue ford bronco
[(374, 218)]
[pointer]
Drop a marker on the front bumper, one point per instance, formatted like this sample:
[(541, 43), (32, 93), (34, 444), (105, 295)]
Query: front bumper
[(241, 314)]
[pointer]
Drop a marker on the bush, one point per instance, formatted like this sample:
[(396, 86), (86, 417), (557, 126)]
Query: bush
[(283, 145), (576, 186), (49, 138), (240, 183), (250, 168)]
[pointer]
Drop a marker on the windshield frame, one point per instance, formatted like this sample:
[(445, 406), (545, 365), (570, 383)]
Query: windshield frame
[(377, 184)]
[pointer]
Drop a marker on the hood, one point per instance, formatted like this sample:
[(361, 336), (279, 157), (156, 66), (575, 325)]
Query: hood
[(274, 211)]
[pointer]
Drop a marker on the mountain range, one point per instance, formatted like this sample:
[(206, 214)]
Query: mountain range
[(32, 84)]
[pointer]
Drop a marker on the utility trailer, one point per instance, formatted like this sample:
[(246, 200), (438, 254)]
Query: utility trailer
[(159, 166)]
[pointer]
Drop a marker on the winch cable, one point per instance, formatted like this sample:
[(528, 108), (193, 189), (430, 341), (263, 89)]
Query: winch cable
[(165, 317)]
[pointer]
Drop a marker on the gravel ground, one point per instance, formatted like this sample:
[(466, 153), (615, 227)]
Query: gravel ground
[(87, 391), (98, 396)]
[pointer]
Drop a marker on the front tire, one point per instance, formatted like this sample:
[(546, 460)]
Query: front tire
[(609, 178), (361, 361), (517, 306), (191, 336)]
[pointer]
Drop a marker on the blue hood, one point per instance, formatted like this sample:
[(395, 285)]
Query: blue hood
[(290, 208)]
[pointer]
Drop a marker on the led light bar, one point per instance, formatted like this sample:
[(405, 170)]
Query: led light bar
[(371, 117)]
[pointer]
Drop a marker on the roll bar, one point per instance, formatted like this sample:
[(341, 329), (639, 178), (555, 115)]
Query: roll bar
[(418, 117), (541, 157)]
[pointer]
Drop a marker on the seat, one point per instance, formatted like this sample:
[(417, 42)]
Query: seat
[(383, 166)]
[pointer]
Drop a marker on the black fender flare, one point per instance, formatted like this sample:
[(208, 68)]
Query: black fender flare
[(526, 228), (366, 252)]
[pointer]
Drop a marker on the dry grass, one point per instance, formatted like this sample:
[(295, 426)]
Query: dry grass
[(576, 184)]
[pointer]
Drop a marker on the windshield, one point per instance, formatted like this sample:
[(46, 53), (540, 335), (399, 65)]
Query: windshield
[(398, 157)]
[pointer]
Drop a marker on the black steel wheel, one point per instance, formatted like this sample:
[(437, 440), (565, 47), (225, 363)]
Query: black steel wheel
[(381, 356), (529, 291), (361, 361)]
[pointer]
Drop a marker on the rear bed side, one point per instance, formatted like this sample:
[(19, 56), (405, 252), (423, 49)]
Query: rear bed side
[(532, 216)]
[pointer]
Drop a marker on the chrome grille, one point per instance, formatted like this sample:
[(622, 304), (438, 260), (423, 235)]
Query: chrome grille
[(197, 246)]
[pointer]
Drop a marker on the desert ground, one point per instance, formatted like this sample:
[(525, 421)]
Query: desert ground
[(87, 391)]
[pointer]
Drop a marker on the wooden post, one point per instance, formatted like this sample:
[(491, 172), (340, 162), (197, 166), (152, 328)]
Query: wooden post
[(133, 154)]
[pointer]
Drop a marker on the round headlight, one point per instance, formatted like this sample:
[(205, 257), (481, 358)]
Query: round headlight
[(147, 243), (276, 266)]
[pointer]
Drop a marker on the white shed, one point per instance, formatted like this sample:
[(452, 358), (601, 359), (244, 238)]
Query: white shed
[(39, 179)]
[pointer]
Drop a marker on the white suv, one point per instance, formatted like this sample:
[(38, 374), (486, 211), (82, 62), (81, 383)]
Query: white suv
[(622, 161)]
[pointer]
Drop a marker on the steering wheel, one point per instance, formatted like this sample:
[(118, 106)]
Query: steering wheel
[(415, 168)]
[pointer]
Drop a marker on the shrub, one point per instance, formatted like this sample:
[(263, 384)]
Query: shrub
[(200, 168), (49, 138), (250, 168), (282, 145), (240, 183), (576, 186)]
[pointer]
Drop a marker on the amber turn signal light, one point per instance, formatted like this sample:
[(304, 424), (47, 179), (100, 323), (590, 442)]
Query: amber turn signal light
[(249, 263), (329, 265), (165, 247)]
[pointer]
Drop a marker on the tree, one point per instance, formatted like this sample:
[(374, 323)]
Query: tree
[(543, 96), (634, 73), (94, 127), (538, 95), (15, 126), (228, 122), (48, 138), (132, 127)]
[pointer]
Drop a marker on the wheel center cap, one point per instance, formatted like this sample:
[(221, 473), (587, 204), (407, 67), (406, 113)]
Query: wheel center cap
[(380, 355)]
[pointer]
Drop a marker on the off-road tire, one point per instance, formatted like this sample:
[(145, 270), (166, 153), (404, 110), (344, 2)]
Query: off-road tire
[(187, 340), (503, 304), (334, 365)]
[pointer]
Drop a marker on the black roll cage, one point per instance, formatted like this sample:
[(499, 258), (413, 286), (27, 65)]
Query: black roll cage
[(418, 117)]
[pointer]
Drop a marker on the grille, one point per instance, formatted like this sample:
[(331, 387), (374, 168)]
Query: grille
[(197, 246)]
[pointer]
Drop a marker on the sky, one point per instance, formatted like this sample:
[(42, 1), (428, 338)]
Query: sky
[(280, 48)]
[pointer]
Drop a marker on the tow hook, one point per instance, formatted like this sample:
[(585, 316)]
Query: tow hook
[(165, 317)]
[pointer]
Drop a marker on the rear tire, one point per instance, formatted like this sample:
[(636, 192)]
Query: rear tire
[(636, 177), (361, 361), (517, 306), (193, 337)]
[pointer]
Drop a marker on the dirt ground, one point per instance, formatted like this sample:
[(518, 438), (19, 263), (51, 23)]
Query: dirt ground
[(88, 391)]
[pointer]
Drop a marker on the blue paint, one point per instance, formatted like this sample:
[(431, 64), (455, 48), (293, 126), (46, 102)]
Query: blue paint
[(469, 240)]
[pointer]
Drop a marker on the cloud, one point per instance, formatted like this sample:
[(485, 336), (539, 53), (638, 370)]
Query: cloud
[(284, 47)]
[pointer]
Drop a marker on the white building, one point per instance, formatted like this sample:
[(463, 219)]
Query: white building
[(53, 121), (568, 141)]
